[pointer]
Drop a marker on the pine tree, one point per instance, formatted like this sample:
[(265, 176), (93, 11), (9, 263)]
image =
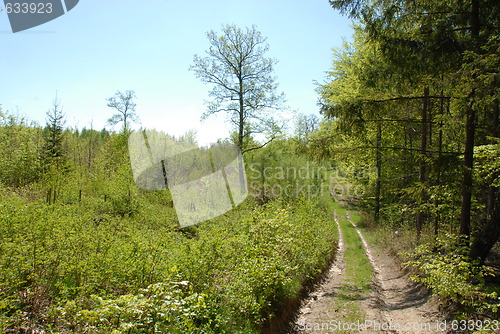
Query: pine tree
[(53, 132)]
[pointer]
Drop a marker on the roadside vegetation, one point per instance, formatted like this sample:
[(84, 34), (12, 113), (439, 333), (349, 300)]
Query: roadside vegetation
[(358, 276), (83, 250)]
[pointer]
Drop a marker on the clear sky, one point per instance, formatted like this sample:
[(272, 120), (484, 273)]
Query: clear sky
[(100, 47)]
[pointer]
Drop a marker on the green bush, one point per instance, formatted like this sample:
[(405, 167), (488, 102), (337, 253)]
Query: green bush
[(252, 260), (445, 267), (170, 307), (72, 267)]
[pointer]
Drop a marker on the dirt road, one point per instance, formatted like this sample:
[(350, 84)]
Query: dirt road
[(392, 305)]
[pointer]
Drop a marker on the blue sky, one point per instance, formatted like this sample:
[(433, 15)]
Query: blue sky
[(100, 47)]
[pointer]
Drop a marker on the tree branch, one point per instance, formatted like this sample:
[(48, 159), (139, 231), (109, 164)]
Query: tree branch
[(258, 147)]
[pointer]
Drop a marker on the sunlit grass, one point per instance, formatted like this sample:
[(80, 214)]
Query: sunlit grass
[(358, 268), (357, 278)]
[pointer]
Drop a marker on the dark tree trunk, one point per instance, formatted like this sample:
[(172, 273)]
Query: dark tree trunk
[(438, 166), (474, 18), (494, 133), (423, 158), (490, 234), (470, 130), (378, 185), (241, 129), (241, 125)]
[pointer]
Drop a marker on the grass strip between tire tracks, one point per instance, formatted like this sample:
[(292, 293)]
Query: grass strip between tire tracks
[(358, 275)]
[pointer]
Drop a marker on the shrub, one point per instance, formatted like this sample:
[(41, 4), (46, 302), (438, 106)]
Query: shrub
[(74, 268), (170, 307), (444, 266)]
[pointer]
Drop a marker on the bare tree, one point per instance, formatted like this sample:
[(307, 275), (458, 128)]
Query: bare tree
[(124, 104), (305, 125)]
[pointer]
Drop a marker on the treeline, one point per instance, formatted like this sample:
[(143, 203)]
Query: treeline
[(45, 159), (416, 96), (414, 100)]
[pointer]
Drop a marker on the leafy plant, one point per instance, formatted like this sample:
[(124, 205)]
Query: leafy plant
[(170, 307), (444, 266)]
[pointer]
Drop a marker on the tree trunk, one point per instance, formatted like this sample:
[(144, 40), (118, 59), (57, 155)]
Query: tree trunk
[(494, 133), (241, 125), (438, 166), (241, 128), (470, 130), (474, 18), (490, 233), (423, 162), (378, 185)]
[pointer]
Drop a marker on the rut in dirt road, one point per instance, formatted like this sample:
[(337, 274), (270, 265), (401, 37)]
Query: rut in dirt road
[(318, 305), (404, 306), (392, 305)]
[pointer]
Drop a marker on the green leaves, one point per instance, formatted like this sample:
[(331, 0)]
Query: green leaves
[(74, 268), (445, 267), (20, 152), (488, 162), (170, 307)]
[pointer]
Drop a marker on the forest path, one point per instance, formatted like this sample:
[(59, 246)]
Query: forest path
[(392, 303)]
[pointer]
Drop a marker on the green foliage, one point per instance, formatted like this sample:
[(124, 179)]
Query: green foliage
[(254, 259), (445, 267), (170, 307), (304, 126), (488, 162), (397, 104), (83, 250), (83, 266), (277, 171), (20, 149)]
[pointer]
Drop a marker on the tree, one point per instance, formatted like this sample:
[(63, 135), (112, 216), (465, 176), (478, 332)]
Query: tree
[(54, 131), (305, 125), (125, 106), (20, 150), (453, 45), (243, 85)]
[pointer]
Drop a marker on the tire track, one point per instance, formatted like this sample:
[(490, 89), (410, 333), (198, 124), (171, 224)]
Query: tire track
[(319, 307), (394, 304), (403, 306)]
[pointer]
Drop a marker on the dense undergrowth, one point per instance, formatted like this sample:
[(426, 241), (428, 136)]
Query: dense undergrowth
[(81, 267), (446, 268)]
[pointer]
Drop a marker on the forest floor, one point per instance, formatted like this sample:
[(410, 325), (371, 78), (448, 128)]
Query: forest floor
[(391, 303)]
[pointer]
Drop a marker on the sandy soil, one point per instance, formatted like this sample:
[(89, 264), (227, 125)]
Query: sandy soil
[(395, 304)]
